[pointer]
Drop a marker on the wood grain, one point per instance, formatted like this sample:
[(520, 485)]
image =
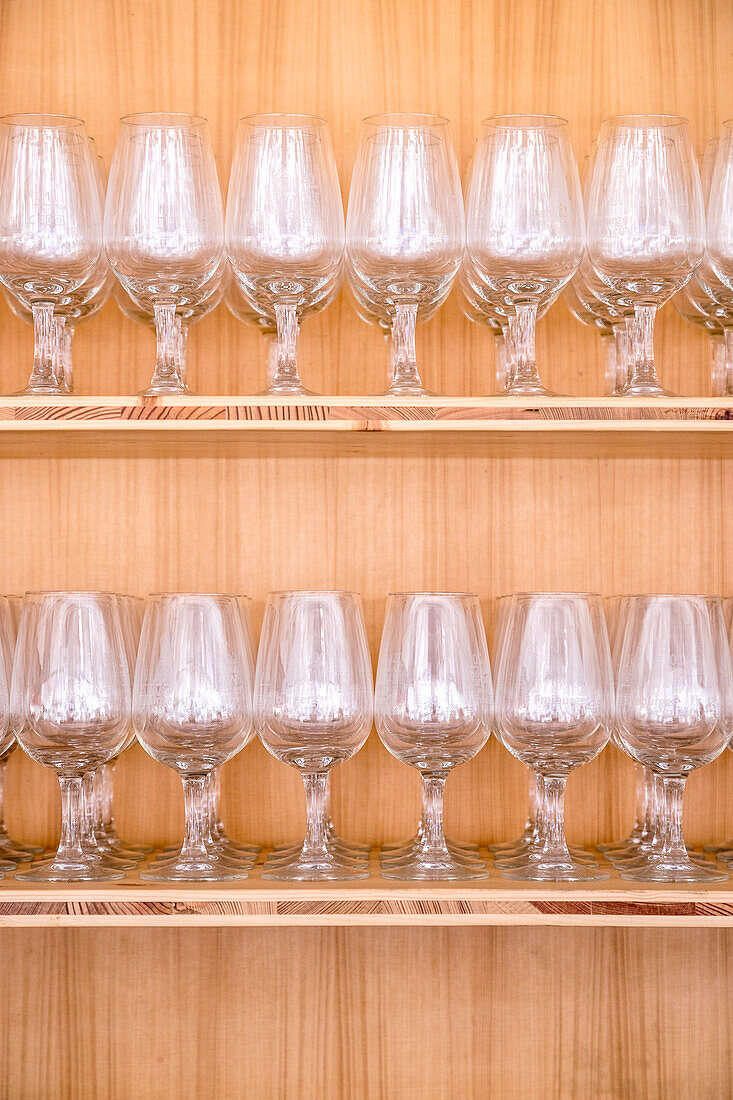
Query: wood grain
[(374, 901), (329, 414), (379, 1014), (399, 1014)]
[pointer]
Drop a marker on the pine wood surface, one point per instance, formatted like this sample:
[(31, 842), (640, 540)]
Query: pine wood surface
[(399, 1014), (365, 1013)]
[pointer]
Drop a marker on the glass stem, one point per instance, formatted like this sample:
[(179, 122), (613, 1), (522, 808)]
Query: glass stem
[(522, 327), (405, 375), (3, 766), (608, 346), (644, 371), (194, 802), (621, 344), (43, 374), (728, 338), (166, 371), (286, 369), (554, 844), (72, 814), (315, 844), (433, 792), (182, 350), (271, 354), (106, 776), (500, 361), (672, 840)]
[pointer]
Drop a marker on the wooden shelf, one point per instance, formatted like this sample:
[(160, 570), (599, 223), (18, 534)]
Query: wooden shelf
[(374, 901), (364, 414)]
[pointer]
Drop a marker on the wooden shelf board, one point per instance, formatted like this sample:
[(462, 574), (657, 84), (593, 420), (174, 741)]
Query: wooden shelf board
[(363, 414), (374, 901)]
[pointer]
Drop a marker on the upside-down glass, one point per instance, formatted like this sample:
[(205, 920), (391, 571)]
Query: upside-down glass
[(192, 710), (405, 228), (646, 223), (674, 712), (433, 710), (285, 227), (314, 703), (164, 225), (70, 708), (50, 225), (554, 709), (525, 231)]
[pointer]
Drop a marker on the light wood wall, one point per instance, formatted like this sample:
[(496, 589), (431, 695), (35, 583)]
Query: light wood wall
[(366, 1013)]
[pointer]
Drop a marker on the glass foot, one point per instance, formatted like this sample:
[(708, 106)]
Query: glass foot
[(528, 390), (289, 389), (199, 870), (726, 846), (661, 870), (417, 390), (162, 390), (561, 871), (427, 870), (324, 867), (8, 865), (41, 391), (69, 871), (645, 389)]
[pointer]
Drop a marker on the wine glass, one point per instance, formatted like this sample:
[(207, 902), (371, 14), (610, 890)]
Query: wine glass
[(50, 226), (554, 711), (285, 227), (674, 707), (525, 231), (433, 711), (646, 223), (313, 710), (405, 229), (192, 711), (164, 225), (70, 708)]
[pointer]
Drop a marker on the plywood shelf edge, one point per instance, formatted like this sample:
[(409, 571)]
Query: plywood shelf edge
[(362, 414)]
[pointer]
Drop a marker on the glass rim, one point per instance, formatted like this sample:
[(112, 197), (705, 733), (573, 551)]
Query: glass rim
[(559, 595), (191, 595), (176, 119), (645, 122), (101, 593), (283, 592), (399, 120), (528, 122), (451, 595), (52, 122), (670, 596), (276, 119)]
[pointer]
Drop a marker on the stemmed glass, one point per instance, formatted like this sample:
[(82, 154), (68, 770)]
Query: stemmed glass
[(433, 711), (192, 711), (70, 708), (50, 226), (646, 225), (674, 708), (405, 229), (285, 227), (164, 226), (313, 710), (524, 232), (554, 709)]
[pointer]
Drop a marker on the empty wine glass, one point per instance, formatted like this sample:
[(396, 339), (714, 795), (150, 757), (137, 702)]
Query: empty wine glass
[(554, 710), (285, 227), (433, 711), (164, 225), (70, 708), (313, 710), (50, 225), (405, 229), (525, 232), (192, 711), (674, 712), (646, 225)]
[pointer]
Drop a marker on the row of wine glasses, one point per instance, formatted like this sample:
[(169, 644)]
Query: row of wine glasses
[(629, 241), (90, 671)]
